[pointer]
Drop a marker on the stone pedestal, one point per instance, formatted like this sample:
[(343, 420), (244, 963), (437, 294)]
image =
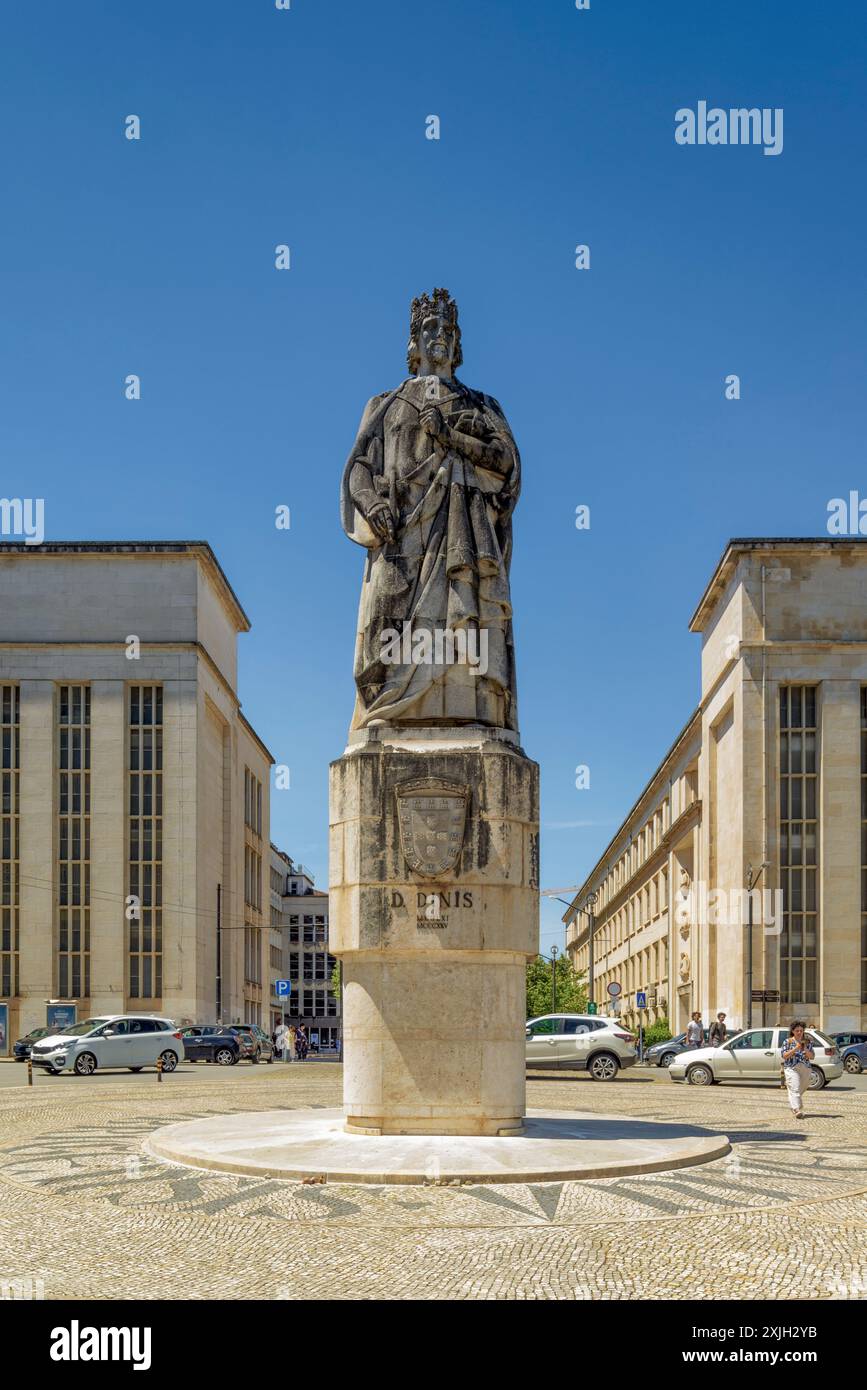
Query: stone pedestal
[(434, 911)]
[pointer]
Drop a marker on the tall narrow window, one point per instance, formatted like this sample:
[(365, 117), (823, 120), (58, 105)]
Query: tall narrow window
[(799, 844), (145, 841), (73, 843), (9, 848), (864, 844)]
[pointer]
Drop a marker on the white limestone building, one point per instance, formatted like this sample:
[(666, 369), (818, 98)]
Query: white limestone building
[(134, 794), (770, 770)]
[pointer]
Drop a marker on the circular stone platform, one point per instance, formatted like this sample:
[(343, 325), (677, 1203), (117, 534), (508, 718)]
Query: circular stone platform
[(312, 1145)]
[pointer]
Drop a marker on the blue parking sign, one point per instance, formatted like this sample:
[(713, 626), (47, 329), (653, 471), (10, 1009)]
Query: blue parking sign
[(282, 988)]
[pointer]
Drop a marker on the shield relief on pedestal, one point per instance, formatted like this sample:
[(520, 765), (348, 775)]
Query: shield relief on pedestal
[(432, 815)]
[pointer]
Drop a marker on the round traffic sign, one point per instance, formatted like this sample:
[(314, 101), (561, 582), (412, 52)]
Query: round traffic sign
[(614, 989)]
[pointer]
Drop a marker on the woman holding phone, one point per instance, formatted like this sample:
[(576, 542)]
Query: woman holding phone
[(797, 1056)]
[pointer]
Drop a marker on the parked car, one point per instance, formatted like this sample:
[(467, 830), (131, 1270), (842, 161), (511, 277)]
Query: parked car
[(854, 1057), (21, 1049), (222, 1043), (133, 1041), (842, 1040), (586, 1042), (754, 1055), (663, 1054), (263, 1044)]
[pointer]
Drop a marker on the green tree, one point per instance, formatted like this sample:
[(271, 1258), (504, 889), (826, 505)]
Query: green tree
[(571, 989), (660, 1031)]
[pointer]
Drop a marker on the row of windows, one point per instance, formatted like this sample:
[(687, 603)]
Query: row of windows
[(310, 965), (252, 802), (72, 906), (253, 955), (799, 838), (648, 839), (72, 902), (252, 879), (312, 930), (311, 1003), (145, 841), (864, 846), (9, 838)]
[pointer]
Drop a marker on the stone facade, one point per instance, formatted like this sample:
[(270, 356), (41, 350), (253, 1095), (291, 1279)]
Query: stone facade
[(434, 956), (309, 964), (770, 770), (133, 758)]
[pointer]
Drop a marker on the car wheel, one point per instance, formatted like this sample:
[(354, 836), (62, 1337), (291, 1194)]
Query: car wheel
[(225, 1057), (169, 1060), (667, 1058), (853, 1064), (85, 1065), (136, 1069), (817, 1079), (603, 1067), (700, 1075)]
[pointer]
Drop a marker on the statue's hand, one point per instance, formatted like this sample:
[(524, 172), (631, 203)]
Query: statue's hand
[(431, 419), (381, 521)]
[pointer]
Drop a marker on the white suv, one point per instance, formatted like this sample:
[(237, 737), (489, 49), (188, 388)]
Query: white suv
[(133, 1041), (587, 1042)]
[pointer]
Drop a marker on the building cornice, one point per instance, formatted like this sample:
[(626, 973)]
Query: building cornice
[(771, 545), (199, 548)]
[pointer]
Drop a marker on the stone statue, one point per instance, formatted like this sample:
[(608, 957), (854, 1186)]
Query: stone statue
[(429, 489)]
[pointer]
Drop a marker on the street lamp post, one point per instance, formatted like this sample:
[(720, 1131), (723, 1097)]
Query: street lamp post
[(590, 905), (554, 979)]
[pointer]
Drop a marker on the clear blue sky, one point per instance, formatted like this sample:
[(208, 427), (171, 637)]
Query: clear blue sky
[(307, 127)]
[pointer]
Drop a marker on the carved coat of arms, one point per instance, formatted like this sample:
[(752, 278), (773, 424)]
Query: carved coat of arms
[(432, 815)]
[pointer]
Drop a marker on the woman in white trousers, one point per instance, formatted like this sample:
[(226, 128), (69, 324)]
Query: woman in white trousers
[(797, 1056)]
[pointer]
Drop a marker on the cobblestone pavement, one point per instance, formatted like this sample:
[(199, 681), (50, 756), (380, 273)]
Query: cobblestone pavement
[(85, 1211)]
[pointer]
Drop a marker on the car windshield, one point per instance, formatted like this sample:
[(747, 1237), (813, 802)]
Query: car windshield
[(79, 1030)]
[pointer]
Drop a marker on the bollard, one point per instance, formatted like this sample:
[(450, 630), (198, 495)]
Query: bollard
[(29, 1072), (159, 1069)]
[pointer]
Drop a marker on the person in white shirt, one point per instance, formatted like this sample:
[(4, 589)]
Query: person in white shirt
[(695, 1031)]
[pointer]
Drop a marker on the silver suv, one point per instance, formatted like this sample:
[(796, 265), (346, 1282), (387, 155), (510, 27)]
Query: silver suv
[(133, 1041), (586, 1042)]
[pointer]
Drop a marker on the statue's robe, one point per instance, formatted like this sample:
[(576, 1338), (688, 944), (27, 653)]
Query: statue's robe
[(448, 566)]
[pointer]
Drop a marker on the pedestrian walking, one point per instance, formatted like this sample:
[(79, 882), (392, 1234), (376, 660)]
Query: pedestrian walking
[(695, 1031), (797, 1056), (281, 1040), (718, 1032), (303, 1044), (293, 1042)]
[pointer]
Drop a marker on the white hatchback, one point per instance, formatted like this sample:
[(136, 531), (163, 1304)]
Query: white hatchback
[(583, 1042), (754, 1055), (131, 1041)]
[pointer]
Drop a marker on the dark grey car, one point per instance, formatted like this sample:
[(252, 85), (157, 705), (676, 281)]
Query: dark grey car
[(663, 1054)]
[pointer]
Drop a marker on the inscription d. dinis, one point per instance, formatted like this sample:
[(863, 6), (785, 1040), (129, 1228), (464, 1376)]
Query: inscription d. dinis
[(432, 815)]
